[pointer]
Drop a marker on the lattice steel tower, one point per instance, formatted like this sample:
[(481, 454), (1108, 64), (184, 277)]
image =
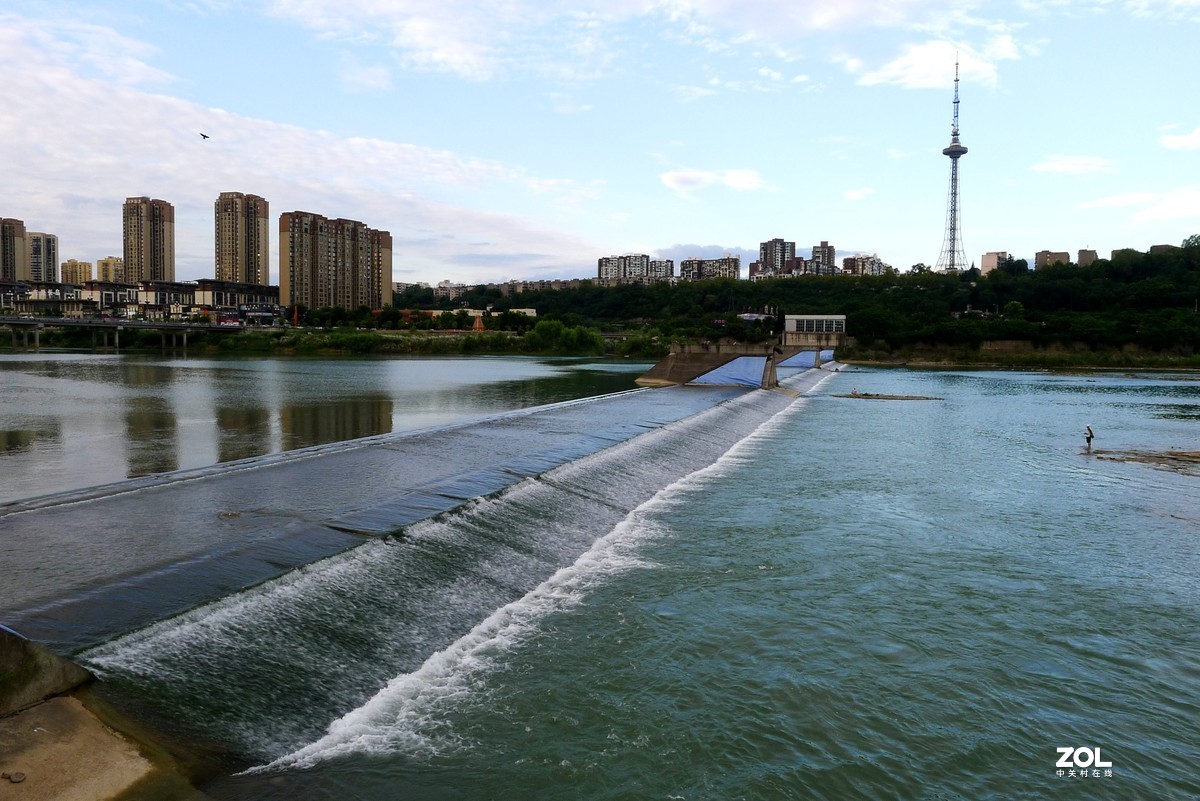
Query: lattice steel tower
[(952, 258)]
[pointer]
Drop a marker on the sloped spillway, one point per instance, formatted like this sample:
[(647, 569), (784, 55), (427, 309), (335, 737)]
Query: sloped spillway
[(263, 671), (85, 566)]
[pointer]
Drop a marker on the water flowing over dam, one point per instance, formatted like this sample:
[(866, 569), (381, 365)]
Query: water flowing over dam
[(254, 603)]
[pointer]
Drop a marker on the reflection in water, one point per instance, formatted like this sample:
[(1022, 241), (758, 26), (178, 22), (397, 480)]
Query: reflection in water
[(241, 431), (17, 440), (74, 420), (150, 427), (150, 420), (319, 423)]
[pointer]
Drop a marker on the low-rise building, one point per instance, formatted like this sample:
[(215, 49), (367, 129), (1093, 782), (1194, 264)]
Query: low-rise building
[(991, 260), (111, 298), (1046, 258), (75, 272), (823, 331)]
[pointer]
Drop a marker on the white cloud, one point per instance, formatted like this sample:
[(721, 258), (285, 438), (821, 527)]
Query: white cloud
[(565, 104), (356, 77), (483, 40), (1183, 141), (1119, 201), (1074, 165), (687, 94), (929, 65), (1177, 204), (84, 128), (776, 19), (858, 194), (30, 44), (1182, 10), (686, 181), (1174, 204)]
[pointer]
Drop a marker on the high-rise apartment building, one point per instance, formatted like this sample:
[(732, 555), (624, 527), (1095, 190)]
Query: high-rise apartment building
[(865, 264), (774, 254), (609, 267), (661, 269), (43, 257), (243, 238), (634, 268), (110, 270), (705, 269), (76, 273), (825, 258), (333, 263), (14, 254), (149, 240), (635, 265)]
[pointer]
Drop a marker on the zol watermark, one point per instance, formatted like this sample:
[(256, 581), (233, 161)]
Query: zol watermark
[(1082, 763)]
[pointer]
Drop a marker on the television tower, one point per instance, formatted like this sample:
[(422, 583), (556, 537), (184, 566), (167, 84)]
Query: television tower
[(952, 258)]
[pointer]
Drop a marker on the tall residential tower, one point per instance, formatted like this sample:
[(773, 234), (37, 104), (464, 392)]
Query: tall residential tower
[(333, 263), (953, 258), (149, 240), (43, 257), (14, 252), (243, 238)]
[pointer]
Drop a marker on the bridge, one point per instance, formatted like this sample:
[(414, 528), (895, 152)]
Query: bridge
[(102, 327)]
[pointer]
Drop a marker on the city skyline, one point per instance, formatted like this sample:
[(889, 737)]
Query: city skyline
[(525, 143)]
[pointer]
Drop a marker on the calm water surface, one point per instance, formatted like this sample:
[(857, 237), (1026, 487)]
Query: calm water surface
[(77, 420)]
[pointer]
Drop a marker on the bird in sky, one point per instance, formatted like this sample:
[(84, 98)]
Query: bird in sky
[(204, 136)]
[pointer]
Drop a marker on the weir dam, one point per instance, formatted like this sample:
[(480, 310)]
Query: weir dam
[(273, 596)]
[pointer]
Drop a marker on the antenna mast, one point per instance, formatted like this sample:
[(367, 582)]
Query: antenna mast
[(952, 258)]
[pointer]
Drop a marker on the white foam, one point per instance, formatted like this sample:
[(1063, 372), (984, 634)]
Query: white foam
[(408, 714)]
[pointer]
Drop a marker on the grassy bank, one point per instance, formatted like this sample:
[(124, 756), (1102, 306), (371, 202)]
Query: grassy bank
[(548, 337)]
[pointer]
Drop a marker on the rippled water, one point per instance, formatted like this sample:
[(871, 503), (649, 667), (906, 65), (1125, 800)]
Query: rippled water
[(863, 599)]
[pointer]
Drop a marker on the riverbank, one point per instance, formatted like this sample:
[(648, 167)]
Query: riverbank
[(65, 748), (59, 741), (1021, 358), (547, 337)]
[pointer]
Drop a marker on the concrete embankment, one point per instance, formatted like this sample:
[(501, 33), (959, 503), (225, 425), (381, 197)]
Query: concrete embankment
[(54, 747)]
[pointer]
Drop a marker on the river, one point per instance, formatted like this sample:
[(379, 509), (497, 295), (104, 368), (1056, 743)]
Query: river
[(861, 599), (71, 420)]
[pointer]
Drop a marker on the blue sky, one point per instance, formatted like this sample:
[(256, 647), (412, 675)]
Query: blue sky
[(526, 138)]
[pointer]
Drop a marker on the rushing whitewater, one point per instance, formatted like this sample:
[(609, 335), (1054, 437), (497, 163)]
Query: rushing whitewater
[(403, 714), (265, 671)]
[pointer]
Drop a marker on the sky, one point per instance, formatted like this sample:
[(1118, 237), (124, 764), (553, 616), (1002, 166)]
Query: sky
[(524, 139)]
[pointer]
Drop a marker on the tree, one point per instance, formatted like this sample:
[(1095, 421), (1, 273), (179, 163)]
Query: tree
[(1192, 241), (919, 268)]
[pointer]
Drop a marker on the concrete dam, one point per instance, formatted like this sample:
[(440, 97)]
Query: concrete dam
[(286, 590)]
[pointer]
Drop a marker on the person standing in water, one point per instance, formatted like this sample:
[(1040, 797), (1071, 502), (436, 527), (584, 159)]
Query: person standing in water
[(1087, 435)]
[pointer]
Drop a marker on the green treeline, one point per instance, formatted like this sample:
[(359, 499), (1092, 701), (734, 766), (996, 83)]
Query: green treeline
[(1137, 308), (1148, 301)]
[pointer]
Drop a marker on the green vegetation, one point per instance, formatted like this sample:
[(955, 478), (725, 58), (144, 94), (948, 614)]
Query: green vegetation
[(1137, 309), (1131, 310)]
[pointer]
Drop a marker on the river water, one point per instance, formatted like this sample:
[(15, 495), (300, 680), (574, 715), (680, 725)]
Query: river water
[(78, 420), (861, 599)]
